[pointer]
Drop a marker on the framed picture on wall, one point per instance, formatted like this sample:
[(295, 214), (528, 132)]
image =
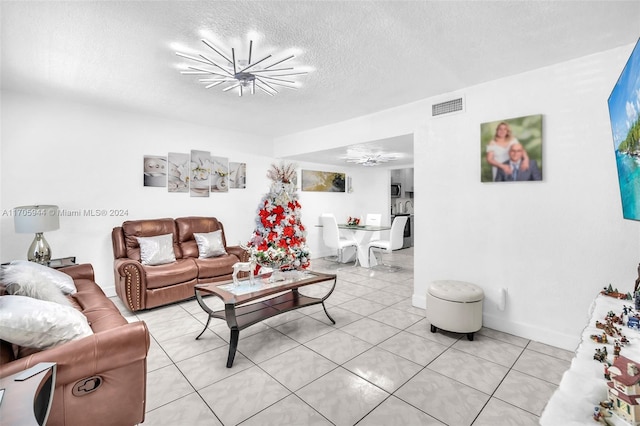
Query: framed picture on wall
[(313, 180), (155, 170), (200, 173), (237, 175), (219, 174), (178, 177), (511, 149)]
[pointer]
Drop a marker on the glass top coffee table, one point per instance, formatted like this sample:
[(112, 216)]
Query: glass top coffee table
[(247, 303)]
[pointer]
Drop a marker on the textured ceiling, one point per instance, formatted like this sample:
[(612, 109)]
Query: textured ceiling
[(366, 56)]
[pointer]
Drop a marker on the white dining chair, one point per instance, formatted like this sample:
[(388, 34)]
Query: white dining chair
[(394, 242), (331, 236), (374, 219)]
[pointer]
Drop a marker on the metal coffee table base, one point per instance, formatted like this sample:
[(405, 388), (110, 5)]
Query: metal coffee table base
[(239, 317)]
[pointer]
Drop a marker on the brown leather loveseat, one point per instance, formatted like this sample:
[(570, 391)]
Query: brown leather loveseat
[(143, 286), (101, 378)]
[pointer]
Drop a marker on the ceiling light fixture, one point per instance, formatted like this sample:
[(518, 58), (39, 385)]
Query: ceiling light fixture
[(370, 160), (245, 74)]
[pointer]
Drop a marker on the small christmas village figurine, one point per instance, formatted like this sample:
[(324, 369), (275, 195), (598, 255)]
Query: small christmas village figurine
[(610, 330), (601, 355), (609, 291), (600, 338), (602, 412)]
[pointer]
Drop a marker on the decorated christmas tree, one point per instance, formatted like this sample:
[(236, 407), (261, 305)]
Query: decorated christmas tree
[(279, 239)]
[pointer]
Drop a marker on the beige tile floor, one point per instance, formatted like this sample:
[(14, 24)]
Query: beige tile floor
[(378, 365)]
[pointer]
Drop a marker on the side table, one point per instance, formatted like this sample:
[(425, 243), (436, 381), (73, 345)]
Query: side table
[(25, 397), (62, 262)]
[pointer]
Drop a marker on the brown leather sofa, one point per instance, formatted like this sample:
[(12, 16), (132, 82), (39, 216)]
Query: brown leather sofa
[(112, 362), (143, 286)]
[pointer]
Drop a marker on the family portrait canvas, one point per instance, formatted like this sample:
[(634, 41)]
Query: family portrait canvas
[(511, 150), (624, 112)]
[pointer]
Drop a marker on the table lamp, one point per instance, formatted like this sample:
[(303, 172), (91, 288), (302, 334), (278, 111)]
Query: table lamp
[(37, 219)]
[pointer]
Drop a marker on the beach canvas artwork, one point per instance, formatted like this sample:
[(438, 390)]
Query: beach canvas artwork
[(624, 111)]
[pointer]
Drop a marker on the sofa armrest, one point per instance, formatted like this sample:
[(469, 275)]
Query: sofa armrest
[(92, 355), (239, 252), (131, 283), (117, 242), (82, 271)]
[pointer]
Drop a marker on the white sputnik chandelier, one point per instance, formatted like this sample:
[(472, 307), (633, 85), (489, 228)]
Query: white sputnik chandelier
[(242, 73), (368, 156), (370, 160)]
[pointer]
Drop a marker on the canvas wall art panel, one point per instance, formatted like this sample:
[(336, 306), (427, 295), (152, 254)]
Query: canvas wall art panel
[(178, 174), (313, 180), (624, 113), (155, 170), (237, 175), (200, 173), (219, 174), (511, 150)]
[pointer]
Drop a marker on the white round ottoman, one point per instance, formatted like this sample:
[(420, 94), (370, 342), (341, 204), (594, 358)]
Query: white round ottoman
[(455, 306)]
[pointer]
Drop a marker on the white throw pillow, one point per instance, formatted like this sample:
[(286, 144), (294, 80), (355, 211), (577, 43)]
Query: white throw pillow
[(156, 250), (22, 272), (209, 244), (44, 290), (39, 324)]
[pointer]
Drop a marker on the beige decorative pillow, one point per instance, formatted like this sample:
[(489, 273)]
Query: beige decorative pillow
[(209, 244), (156, 250), (34, 323)]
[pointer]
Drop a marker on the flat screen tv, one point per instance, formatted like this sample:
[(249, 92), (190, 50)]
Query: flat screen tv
[(624, 112)]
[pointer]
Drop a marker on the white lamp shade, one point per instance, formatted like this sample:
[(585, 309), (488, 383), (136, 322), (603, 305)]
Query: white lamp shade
[(34, 219)]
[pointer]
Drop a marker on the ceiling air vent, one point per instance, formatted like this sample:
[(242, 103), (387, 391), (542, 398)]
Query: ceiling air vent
[(446, 107)]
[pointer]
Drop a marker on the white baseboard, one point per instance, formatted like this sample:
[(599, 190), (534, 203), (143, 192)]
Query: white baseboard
[(419, 301), (527, 331), (109, 291), (532, 332)]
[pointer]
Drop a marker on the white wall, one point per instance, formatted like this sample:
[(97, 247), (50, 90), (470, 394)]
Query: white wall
[(83, 157), (552, 244)]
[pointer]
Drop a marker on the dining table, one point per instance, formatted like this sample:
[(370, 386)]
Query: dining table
[(363, 235)]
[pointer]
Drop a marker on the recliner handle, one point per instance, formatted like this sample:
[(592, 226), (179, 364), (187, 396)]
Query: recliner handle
[(86, 386)]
